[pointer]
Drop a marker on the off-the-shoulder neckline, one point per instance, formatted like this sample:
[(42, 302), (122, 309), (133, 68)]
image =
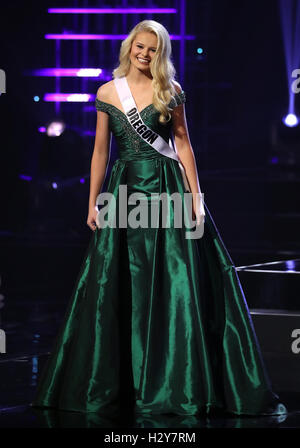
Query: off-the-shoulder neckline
[(115, 107), (140, 112)]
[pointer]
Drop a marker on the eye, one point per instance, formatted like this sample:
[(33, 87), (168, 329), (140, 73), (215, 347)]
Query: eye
[(140, 46)]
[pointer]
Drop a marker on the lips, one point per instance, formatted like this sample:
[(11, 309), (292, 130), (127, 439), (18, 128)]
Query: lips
[(143, 61)]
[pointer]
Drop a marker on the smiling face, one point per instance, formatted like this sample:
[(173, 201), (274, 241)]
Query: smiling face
[(143, 50)]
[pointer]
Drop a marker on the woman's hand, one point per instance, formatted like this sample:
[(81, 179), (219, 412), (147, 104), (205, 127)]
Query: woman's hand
[(198, 208), (91, 219)]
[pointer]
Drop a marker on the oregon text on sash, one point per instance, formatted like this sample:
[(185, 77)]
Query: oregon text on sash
[(142, 129)]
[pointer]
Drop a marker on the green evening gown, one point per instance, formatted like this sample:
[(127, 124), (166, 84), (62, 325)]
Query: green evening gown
[(157, 323)]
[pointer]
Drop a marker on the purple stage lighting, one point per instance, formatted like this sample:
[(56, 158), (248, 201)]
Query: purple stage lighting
[(112, 10), (290, 26), (81, 72), (291, 266), (56, 128), (25, 177), (69, 97), (91, 133), (274, 160), (290, 120), (67, 36)]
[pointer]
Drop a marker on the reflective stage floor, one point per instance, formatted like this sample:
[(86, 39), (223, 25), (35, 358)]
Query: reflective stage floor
[(31, 320)]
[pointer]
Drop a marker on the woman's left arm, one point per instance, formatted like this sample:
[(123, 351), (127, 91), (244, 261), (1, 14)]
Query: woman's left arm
[(186, 154)]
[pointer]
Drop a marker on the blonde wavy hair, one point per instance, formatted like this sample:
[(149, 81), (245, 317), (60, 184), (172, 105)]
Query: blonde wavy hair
[(161, 67)]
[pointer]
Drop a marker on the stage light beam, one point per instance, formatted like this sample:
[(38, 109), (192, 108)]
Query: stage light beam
[(290, 120)]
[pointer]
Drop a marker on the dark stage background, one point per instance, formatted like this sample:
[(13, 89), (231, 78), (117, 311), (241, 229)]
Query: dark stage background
[(237, 93), (232, 63)]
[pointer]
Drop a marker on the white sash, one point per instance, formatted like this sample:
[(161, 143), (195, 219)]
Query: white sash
[(137, 124)]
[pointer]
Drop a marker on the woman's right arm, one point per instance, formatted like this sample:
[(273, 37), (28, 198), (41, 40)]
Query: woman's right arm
[(100, 159)]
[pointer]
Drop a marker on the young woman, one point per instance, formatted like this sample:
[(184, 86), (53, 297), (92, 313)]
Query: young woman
[(157, 322)]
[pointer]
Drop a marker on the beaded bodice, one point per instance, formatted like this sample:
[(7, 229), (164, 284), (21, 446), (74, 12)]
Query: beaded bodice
[(130, 145)]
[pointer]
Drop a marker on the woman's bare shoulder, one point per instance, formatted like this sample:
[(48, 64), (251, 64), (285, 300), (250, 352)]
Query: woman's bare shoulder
[(177, 86), (104, 92)]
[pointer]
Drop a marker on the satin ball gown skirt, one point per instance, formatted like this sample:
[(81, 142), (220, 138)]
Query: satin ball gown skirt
[(157, 323)]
